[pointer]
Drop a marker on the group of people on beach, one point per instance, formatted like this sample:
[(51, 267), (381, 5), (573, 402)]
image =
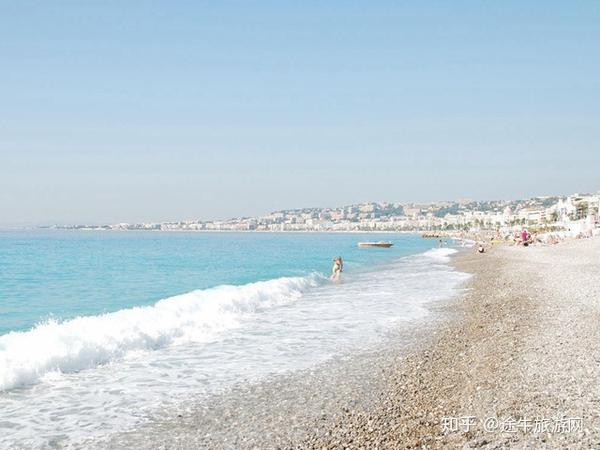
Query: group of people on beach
[(486, 239), (522, 237)]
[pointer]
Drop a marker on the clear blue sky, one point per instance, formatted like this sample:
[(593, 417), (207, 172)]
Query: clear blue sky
[(127, 111)]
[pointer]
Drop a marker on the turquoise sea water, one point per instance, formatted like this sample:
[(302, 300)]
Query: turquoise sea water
[(64, 274), (101, 332)]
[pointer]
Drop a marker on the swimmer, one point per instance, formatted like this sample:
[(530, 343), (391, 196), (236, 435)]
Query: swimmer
[(336, 270)]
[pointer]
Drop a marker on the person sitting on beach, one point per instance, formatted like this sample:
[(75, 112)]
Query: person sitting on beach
[(480, 249), (525, 237), (336, 270)]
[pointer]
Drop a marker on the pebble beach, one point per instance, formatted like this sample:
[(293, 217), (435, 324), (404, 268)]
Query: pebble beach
[(516, 368)]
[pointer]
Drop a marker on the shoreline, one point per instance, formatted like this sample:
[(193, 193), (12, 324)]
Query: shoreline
[(505, 349), (277, 411), (512, 355)]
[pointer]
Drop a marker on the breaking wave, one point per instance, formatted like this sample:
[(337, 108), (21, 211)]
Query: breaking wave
[(86, 342)]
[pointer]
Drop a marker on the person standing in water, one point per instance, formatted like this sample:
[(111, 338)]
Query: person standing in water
[(336, 270)]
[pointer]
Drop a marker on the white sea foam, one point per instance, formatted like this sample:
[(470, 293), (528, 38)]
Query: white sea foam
[(54, 347), (440, 254)]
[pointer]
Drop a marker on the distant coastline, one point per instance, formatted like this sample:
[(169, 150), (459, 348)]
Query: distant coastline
[(575, 214), (115, 230)]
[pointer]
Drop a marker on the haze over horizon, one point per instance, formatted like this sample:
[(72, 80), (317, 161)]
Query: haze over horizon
[(125, 113)]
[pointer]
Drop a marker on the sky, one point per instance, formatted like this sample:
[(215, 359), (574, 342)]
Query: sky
[(149, 111)]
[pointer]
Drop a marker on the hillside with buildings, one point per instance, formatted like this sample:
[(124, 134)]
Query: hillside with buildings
[(575, 213)]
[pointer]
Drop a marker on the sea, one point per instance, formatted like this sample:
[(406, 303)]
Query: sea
[(101, 331)]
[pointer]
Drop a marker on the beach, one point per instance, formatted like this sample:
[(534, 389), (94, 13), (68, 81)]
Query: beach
[(492, 350), (511, 363), (523, 350)]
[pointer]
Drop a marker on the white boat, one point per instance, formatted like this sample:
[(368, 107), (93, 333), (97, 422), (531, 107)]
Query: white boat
[(375, 244)]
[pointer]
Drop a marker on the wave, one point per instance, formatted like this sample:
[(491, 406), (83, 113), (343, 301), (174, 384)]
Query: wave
[(440, 254), (86, 342)]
